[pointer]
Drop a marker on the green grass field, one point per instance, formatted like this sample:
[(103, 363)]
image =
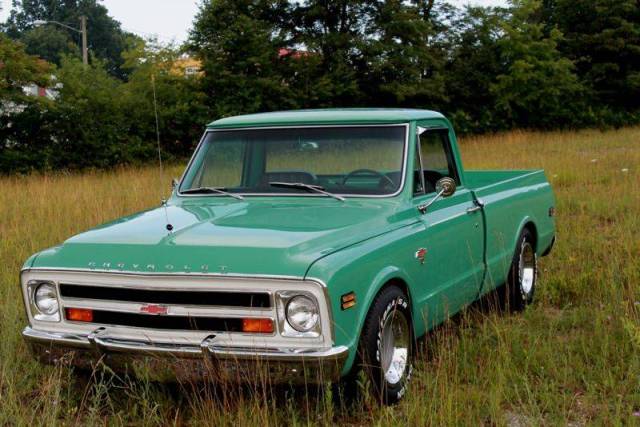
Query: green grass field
[(573, 358)]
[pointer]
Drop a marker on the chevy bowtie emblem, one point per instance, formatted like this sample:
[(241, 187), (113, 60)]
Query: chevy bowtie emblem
[(154, 309), (421, 254)]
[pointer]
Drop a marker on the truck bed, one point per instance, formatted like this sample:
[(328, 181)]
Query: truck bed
[(511, 198), (479, 180)]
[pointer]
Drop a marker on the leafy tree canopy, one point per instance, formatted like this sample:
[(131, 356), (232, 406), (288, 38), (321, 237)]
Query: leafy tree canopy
[(18, 69), (602, 37), (107, 41)]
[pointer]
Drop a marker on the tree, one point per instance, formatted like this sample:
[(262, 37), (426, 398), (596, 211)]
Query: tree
[(404, 54), (182, 109), (239, 42), (538, 87), (49, 43), (333, 35), (19, 113), (107, 40), (474, 62), (602, 38), (18, 69)]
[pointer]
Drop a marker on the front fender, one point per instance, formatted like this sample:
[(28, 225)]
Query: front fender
[(364, 269)]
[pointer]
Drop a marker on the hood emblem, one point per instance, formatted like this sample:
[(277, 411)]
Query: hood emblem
[(154, 309), (152, 268)]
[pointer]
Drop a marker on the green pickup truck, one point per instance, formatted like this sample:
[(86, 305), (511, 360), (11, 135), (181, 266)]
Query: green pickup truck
[(307, 245)]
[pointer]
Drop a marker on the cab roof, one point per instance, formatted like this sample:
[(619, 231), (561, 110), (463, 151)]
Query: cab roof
[(326, 117)]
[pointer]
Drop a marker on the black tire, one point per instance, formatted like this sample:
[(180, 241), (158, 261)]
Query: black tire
[(389, 309), (521, 281)]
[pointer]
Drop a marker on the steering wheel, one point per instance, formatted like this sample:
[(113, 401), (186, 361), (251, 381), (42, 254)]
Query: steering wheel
[(367, 172)]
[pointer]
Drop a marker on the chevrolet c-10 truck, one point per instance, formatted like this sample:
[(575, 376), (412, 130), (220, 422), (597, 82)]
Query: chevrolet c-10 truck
[(310, 245)]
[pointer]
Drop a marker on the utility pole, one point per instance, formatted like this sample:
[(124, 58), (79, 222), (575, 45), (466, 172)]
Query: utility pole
[(85, 48), (82, 31)]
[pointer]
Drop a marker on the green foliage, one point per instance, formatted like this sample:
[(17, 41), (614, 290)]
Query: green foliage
[(536, 80), (96, 120), (107, 41), (239, 44), (602, 37), (475, 62), (20, 115), (182, 105), (333, 34), (17, 69), (49, 43), (535, 64), (404, 57)]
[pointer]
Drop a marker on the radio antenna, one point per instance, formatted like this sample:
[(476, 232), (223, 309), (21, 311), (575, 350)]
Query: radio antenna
[(169, 227)]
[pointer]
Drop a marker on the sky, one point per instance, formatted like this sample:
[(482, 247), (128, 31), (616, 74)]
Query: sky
[(172, 19)]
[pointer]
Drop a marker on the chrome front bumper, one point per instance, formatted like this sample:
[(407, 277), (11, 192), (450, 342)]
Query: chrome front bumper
[(210, 360)]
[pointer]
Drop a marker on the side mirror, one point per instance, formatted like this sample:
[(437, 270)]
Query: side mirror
[(174, 183), (445, 187)]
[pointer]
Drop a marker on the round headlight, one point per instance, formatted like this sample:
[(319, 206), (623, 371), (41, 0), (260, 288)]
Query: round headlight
[(302, 313), (46, 299)]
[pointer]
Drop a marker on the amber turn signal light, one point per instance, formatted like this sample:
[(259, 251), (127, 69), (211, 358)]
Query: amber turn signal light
[(259, 326), (79, 314), (348, 300)]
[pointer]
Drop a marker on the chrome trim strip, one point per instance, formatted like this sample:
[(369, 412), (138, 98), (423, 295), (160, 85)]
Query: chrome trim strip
[(120, 306), (418, 148), (351, 196), (167, 275), (99, 340)]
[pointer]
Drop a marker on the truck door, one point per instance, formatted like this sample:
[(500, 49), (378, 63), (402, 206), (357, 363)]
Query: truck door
[(453, 238)]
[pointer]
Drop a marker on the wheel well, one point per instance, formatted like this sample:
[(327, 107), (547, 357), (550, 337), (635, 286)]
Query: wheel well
[(399, 283), (534, 233)]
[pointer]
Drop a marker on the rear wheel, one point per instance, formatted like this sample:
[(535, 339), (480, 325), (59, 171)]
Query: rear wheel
[(521, 283), (386, 345)]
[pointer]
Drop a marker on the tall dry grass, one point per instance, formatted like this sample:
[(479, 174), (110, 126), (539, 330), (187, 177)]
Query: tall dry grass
[(572, 358)]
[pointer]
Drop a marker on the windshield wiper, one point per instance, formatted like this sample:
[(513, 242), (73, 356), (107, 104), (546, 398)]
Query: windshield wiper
[(307, 187), (210, 190)]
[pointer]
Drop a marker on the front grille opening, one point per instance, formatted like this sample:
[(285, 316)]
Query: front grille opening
[(185, 323), (161, 296)]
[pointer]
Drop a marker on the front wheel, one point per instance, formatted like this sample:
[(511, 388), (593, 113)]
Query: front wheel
[(521, 283), (386, 345)]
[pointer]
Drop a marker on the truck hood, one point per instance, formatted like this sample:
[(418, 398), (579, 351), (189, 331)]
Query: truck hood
[(280, 238)]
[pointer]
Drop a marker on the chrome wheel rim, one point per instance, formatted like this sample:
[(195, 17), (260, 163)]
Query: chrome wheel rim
[(395, 347), (527, 267)]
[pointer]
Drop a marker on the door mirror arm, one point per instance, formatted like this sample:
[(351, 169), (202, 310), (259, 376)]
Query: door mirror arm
[(445, 187)]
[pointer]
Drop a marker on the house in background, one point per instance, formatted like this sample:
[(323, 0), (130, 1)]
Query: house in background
[(47, 92), (187, 66), (8, 107)]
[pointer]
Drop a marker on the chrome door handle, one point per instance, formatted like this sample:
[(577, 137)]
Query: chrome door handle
[(478, 204)]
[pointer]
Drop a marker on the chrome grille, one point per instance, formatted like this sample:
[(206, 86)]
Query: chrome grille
[(161, 296)]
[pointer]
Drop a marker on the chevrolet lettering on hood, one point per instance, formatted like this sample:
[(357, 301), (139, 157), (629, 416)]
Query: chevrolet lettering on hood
[(298, 247), (121, 266)]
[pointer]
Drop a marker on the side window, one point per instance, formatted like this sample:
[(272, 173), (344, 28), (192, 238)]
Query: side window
[(437, 159)]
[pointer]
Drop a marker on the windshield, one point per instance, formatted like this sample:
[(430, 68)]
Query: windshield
[(337, 160)]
